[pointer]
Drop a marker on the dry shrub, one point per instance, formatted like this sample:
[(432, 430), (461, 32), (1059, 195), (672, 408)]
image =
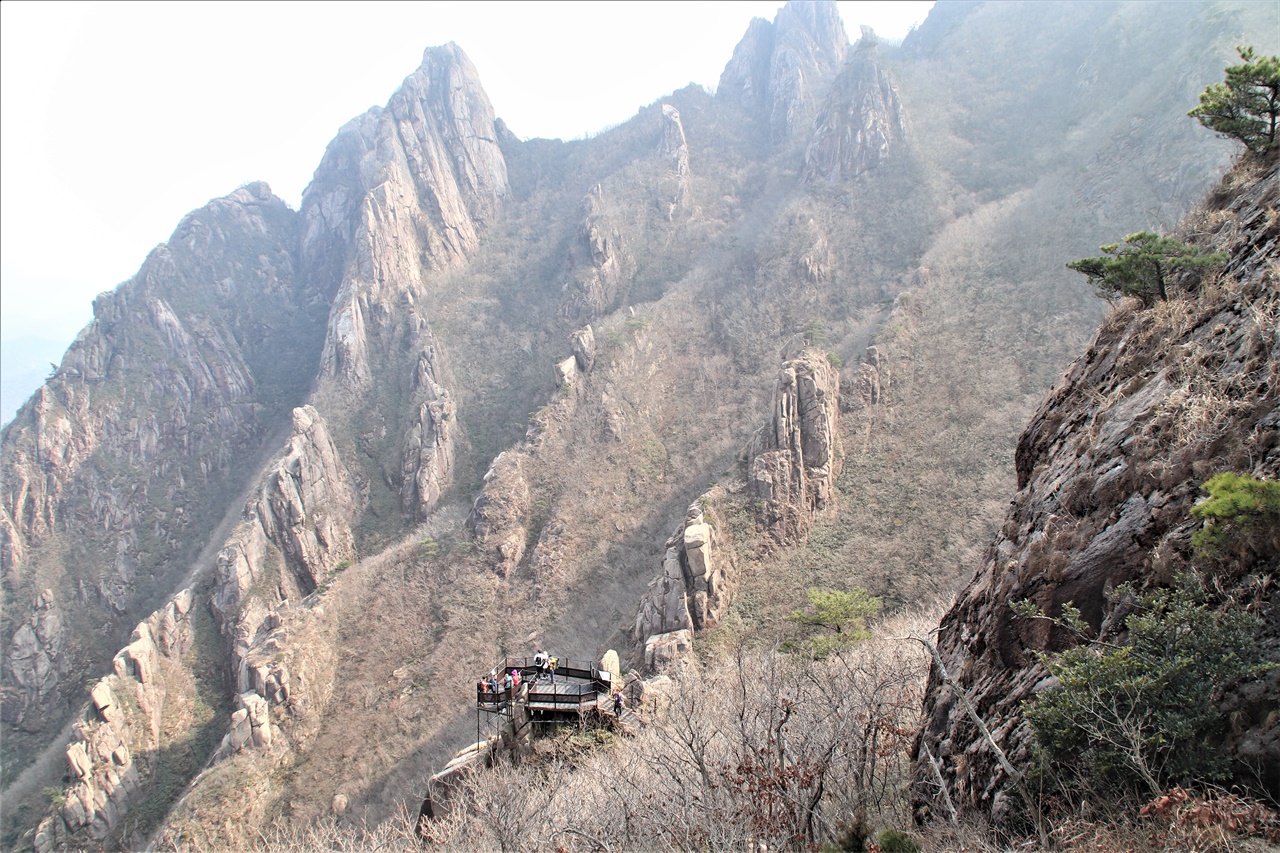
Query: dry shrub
[(761, 747), (1214, 822)]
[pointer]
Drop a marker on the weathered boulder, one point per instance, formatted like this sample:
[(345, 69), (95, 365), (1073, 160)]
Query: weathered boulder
[(664, 651)]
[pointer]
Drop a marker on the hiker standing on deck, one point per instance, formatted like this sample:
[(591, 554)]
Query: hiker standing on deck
[(618, 704), (540, 663)]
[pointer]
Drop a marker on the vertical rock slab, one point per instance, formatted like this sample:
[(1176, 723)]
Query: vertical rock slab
[(796, 456)]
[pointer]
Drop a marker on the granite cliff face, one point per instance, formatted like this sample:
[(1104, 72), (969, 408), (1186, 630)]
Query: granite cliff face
[(862, 121), (1108, 471)]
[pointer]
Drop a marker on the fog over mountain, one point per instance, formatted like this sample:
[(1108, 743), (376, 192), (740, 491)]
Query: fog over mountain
[(315, 469)]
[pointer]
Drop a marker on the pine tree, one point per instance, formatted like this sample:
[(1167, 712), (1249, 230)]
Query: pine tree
[(1245, 107), (1141, 266)]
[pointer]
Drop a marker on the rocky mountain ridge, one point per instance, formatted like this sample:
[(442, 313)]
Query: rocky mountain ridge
[(486, 376)]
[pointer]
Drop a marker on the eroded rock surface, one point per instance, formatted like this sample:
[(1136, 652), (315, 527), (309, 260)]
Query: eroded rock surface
[(1108, 471)]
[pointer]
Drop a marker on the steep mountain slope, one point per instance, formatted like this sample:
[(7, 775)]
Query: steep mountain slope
[(1107, 472), (522, 362)]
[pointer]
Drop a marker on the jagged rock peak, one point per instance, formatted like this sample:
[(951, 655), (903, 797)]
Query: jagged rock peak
[(447, 88), (401, 192), (862, 122), (777, 69)]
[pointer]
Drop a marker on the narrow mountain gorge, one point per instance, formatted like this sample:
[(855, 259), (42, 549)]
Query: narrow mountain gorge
[(310, 472)]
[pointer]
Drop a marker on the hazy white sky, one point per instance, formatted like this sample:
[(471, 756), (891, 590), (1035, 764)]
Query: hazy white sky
[(119, 118)]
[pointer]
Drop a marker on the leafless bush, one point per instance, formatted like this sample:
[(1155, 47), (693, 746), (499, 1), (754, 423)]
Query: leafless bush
[(762, 748)]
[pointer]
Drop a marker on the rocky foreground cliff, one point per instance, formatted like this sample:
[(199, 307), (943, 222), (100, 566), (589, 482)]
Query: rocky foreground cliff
[(1108, 471)]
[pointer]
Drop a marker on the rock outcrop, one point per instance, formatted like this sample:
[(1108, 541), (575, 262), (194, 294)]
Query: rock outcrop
[(296, 534), (796, 456), (36, 663), (302, 514), (431, 442), (676, 185), (862, 122), (500, 515), (694, 590), (402, 192), (114, 744), (597, 262), (779, 70), (1108, 471)]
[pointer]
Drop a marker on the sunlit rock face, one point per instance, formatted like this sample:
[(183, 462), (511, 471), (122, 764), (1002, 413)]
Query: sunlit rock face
[(862, 122)]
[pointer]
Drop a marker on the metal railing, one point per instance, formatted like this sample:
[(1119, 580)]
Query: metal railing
[(588, 680)]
